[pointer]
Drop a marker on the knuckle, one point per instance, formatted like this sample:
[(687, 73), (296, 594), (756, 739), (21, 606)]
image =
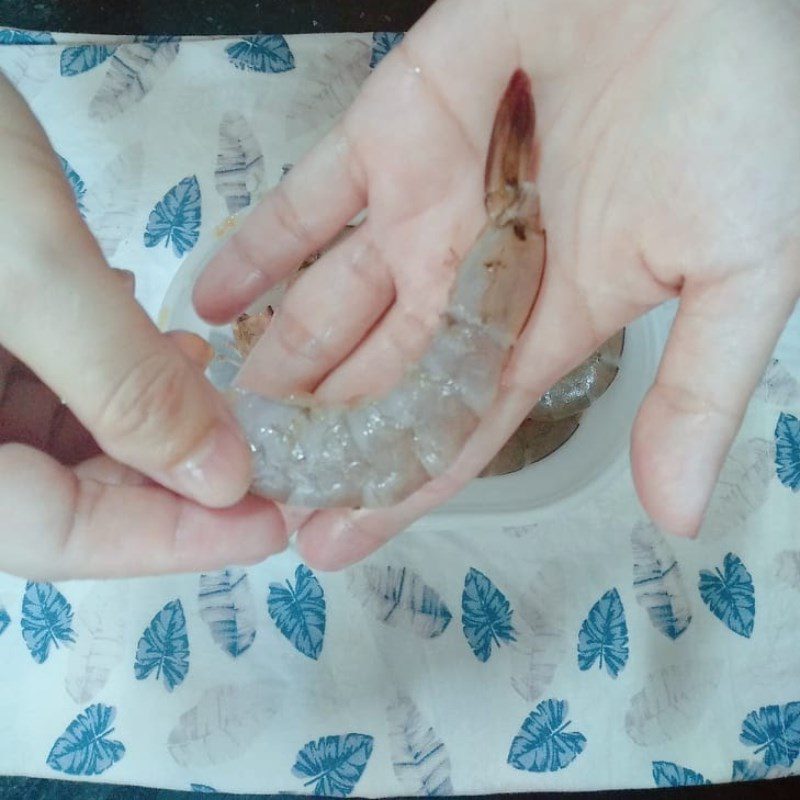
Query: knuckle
[(684, 400), (148, 402), (288, 217), (295, 338)]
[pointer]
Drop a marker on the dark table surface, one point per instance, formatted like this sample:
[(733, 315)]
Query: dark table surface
[(215, 17)]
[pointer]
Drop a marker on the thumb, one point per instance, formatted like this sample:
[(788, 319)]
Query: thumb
[(72, 320), (143, 400)]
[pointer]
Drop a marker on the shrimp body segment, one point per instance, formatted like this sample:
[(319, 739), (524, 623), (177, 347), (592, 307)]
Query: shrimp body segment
[(379, 451)]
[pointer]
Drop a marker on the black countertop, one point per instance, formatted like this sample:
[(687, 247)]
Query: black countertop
[(215, 17)]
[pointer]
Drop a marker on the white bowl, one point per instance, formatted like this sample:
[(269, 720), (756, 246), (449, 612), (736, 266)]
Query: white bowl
[(594, 454)]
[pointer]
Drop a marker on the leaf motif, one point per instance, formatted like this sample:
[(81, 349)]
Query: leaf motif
[(76, 182), (112, 200), (17, 36), (299, 611), (334, 764), (228, 608), (382, 43), (787, 451), (46, 619), (83, 57), (176, 218), (543, 744), (658, 582), (742, 487), (671, 702), (5, 620), (224, 724), (485, 615), (778, 386), (775, 731), (240, 163), (133, 70), (730, 595), (757, 771), (542, 642), (100, 624), (419, 758), (397, 596), (84, 748), (164, 647), (201, 788), (665, 774), (603, 636), (261, 54)]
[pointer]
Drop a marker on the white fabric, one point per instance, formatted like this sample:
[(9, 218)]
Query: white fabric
[(679, 700)]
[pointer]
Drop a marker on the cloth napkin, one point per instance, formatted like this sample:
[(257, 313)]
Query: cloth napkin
[(582, 650)]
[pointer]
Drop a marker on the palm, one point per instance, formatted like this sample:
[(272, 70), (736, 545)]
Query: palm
[(661, 174)]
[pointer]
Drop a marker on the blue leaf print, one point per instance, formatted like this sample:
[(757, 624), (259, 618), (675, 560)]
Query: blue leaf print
[(227, 607), (744, 770), (164, 647), (46, 619), (658, 582), (261, 54), (543, 744), (382, 43), (749, 771), (729, 595), (5, 620), (83, 57), (397, 596), (334, 764), (485, 615), (84, 748), (17, 36), (603, 637), (176, 218), (787, 451), (775, 731), (665, 774), (75, 181), (201, 788), (299, 611)]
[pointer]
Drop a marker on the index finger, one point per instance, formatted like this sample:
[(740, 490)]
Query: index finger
[(315, 200)]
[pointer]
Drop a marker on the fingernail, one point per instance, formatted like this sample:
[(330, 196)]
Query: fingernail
[(217, 473)]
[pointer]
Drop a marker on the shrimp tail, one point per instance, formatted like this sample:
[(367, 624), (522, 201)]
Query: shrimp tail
[(510, 147)]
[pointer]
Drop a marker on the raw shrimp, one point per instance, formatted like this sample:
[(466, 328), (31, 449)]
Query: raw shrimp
[(534, 440), (379, 451), (576, 391)]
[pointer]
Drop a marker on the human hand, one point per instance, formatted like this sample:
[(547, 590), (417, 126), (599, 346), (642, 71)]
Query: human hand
[(668, 161), (82, 485)]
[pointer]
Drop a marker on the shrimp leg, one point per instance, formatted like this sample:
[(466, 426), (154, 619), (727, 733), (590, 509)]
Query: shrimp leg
[(379, 451)]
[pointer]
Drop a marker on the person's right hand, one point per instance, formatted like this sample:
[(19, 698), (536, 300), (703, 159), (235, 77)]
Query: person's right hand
[(144, 469), (668, 164)]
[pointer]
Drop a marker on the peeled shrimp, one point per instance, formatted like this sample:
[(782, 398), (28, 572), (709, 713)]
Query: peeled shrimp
[(379, 451)]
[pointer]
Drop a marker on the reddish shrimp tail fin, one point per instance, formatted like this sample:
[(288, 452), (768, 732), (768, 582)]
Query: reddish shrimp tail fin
[(511, 145)]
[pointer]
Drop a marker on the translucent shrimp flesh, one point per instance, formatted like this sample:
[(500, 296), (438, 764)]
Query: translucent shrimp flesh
[(379, 451)]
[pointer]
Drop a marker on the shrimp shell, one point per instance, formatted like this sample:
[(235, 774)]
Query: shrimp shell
[(378, 452)]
